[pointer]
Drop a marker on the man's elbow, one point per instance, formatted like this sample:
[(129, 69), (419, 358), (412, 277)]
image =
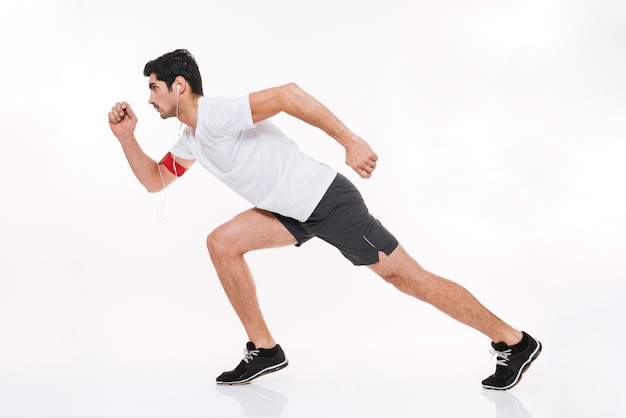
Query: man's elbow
[(292, 96), (153, 188), (292, 89)]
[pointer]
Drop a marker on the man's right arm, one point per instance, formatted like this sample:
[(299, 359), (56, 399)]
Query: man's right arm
[(154, 177)]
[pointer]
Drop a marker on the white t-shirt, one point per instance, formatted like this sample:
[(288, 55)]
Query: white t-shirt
[(257, 161)]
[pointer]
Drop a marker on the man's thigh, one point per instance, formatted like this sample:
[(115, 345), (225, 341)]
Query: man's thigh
[(253, 229)]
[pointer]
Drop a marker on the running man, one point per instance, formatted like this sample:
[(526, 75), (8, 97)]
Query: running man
[(294, 198)]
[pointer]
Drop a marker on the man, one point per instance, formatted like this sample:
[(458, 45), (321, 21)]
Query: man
[(295, 198)]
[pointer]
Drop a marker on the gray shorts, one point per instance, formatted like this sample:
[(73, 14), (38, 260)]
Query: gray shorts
[(342, 219)]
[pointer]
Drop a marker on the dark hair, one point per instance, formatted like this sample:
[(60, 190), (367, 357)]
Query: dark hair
[(173, 64)]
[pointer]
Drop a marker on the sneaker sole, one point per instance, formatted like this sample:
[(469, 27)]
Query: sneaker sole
[(523, 369), (268, 370)]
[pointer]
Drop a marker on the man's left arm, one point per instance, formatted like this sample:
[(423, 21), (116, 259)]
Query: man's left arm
[(294, 101)]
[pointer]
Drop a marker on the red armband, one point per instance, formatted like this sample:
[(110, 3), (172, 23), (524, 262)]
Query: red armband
[(171, 164)]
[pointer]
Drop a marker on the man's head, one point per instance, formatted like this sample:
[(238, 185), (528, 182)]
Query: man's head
[(179, 63), (173, 77)]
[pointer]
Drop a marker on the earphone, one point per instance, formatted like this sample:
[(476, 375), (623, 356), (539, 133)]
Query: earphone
[(161, 207)]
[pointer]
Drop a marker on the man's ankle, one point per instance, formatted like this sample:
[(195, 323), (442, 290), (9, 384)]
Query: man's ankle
[(511, 338), (264, 343)]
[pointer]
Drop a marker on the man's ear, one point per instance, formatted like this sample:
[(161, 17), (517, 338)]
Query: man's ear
[(180, 84)]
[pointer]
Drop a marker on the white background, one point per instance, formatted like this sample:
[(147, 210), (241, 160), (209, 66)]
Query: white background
[(500, 131)]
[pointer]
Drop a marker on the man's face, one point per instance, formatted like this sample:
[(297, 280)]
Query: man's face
[(163, 100)]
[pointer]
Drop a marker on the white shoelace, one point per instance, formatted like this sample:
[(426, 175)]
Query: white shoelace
[(249, 354), (502, 357)]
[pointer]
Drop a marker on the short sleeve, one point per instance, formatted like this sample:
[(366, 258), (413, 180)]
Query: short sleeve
[(228, 116), (182, 148)]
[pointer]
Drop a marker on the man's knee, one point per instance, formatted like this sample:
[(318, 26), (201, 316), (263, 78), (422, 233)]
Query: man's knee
[(222, 240)]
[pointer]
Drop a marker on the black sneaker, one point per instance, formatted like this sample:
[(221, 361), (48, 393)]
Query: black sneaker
[(511, 362), (256, 362)]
